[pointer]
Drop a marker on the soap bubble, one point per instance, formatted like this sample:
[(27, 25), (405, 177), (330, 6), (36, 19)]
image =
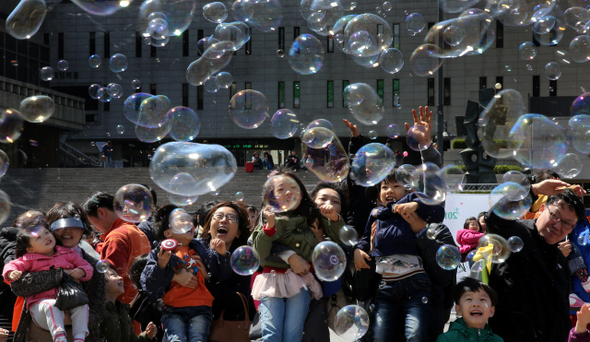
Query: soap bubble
[(93, 91), (264, 15), (329, 164), (580, 124), (448, 257), (157, 27), (425, 61), (317, 137), (417, 138), (153, 111), (94, 61), (213, 60), (453, 35), (321, 15), (348, 235), (500, 251), (115, 90), (363, 102), (26, 18), (580, 49), (393, 131), (433, 230), (120, 129), (150, 135), (239, 196), (185, 124), (392, 60), (248, 108), (371, 164), (46, 74), (351, 322), (37, 108), (569, 166), (281, 193), (215, 12), (320, 123), (518, 178), (177, 14), (283, 124), (306, 55), (387, 6), (430, 184), (454, 176), (415, 23), (583, 237), (211, 84), (577, 18), (405, 174), (3, 163), (553, 70), (510, 200), (542, 141), (245, 261), (373, 27), (225, 79), (136, 84), (235, 33), (11, 125), (180, 221), (457, 6), (133, 203), (373, 134), (102, 266), (329, 261), (189, 169), (527, 51), (62, 65), (103, 95), (100, 8), (118, 63), (515, 244), (182, 201)]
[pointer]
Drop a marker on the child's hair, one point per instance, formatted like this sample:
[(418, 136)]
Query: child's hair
[(342, 193), (29, 218), (136, 268), (469, 220), (252, 209), (373, 192), (23, 238), (473, 285), (162, 220)]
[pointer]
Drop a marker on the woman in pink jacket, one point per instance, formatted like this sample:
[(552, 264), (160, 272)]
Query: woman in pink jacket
[(468, 237), (36, 251)]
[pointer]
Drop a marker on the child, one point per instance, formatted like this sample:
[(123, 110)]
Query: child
[(116, 325), (475, 302), (36, 251), (285, 296), (405, 283), (177, 277), (579, 333), (469, 236)]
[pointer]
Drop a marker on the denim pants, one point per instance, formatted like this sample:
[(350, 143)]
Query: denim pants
[(282, 319), (189, 324), (403, 303)]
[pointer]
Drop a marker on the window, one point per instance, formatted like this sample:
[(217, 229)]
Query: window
[(499, 34), (380, 92), (447, 91), (500, 81), (535, 41), (345, 84), (248, 85), (153, 89), (107, 45), (430, 24), (330, 91), (330, 44), (60, 45), (200, 97), (483, 82), (296, 93), (233, 89), (396, 36), (185, 43), (153, 51), (295, 32), (552, 87), (200, 34), (185, 94), (91, 43), (281, 95), (396, 93), (106, 107), (248, 45), (282, 38), (45, 38), (430, 92), (138, 44), (536, 86)]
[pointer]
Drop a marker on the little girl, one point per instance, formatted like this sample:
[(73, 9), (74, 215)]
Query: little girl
[(469, 236), (284, 296), (36, 251)]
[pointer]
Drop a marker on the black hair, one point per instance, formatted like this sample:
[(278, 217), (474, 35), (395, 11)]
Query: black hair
[(542, 175), (153, 192), (468, 220), (473, 285), (202, 212), (98, 200), (574, 202), (136, 268), (341, 190), (243, 224), (23, 238), (252, 209), (162, 220), (480, 215), (29, 218), (68, 209), (373, 192)]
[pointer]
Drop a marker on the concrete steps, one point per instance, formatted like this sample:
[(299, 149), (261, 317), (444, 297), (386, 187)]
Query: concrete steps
[(41, 188)]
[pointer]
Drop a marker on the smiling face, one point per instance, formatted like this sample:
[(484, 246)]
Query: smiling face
[(329, 196), (473, 226), (286, 192), (552, 230), (42, 242), (390, 192), (114, 284), (69, 237), (224, 225), (475, 308), (482, 222)]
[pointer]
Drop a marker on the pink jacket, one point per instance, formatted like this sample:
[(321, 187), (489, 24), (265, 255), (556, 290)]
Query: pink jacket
[(64, 258), (467, 239)]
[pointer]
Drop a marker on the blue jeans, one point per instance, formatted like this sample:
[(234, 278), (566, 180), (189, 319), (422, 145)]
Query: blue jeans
[(108, 162), (282, 319), (404, 302), (190, 324)]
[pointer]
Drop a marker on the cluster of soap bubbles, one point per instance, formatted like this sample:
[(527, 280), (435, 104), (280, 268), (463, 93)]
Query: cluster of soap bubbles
[(329, 261), (245, 261), (133, 203), (160, 20)]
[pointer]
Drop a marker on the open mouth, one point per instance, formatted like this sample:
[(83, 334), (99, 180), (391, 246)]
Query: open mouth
[(221, 231), (476, 313)]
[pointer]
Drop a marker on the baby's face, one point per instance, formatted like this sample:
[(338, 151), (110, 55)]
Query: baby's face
[(475, 308), (286, 192), (114, 283), (390, 192)]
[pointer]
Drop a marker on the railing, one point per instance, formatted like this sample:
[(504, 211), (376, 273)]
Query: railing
[(78, 155), (479, 187)]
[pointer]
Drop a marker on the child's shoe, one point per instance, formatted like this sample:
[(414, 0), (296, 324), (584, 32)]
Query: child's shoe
[(575, 302)]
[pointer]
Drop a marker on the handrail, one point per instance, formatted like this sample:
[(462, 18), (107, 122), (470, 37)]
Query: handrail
[(75, 153)]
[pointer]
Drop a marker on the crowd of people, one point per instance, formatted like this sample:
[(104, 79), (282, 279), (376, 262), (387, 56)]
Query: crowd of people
[(79, 272)]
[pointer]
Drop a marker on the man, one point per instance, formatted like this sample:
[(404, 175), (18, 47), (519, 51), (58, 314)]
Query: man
[(122, 241), (533, 285), (107, 152), (293, 161)]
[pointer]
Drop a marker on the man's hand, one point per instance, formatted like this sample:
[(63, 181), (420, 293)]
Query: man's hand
[(151, 330), (299, 265), (549, 187), (186, 279), (163, 258), (354, 131), (329, 212), (565, 247)]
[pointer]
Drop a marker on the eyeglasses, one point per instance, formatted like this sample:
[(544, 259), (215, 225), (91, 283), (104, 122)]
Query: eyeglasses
[(231, 218), (555, 218)]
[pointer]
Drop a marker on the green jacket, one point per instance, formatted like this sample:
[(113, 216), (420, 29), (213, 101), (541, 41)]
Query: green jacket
[(460, 332), (116, 325), (293, 232)]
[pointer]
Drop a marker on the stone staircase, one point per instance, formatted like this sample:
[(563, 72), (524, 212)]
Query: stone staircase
[(41, 188)]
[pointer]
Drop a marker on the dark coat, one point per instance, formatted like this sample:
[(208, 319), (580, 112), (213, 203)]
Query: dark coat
[(117, 325), (7, 298)]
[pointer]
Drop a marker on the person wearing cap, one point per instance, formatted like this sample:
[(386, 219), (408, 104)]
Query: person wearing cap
[(122, 241)]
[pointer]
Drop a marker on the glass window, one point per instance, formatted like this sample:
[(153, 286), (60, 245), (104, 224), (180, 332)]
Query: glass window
[(138, 44), (552, 87), (447, 91), (483, 82), (499, 34), (395, 94), (330, 44), (233, 89), (296, 32), (296, 93), (60, 45), (185, 43), (153, 89), (107, 45), (248, 45), (430, 92), (330, 93), (282, 38), (91, 43), (281, 95), (185, 94), (396, 36), (380, 92), (200, 98), (345, 84), (536, 86)]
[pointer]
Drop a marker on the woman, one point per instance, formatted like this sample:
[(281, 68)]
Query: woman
[(69, 223), (235, 234)]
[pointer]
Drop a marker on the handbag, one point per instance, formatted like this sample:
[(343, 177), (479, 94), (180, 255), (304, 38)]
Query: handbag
[(103, 157), (70, 294), (231, 331)]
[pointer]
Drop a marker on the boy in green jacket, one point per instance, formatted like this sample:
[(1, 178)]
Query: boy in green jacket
[(474, 303)]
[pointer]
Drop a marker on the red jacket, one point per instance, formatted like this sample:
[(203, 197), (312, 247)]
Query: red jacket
[(468, 239)]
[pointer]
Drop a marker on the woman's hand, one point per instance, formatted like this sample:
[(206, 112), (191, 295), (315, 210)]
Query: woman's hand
[(186, 279), (151, 330), (202, 267), (298, 265), (218, 246), (425, 119), (329, 212), (359, 259), (163, 258), (77, 273)]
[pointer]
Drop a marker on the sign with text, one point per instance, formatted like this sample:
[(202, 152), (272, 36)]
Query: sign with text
[(459, 207)]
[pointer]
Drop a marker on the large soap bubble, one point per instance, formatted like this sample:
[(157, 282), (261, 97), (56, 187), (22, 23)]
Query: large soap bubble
[(457, 6), (329, 261), (329, 164), (415, 23), (215, 12), (264, 15), (376, 29), (392, 60), (317, 137), (248, 108), (178, 14), (190, 169), (133, 203), (26, 18), (498, 248), (448, 257), (497, 120), (118, 63), (430, 184), (37, 108), (153, 111), (4, 206), (281, 194), (418, 138), (320, 123), (321, 15), (150, 135), (185, 124), (284, 123), (363, 103), (371, 164), (100, 7), (306, 55), (579, 125), (182, 201), (351, 323), (244, 260), (518, 178), (235, 32), (527, 51), (569, 166), (4, 162), (11, 125), (215, 58), (510, 200), (544, 142), (425, 60), (454, 176)]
